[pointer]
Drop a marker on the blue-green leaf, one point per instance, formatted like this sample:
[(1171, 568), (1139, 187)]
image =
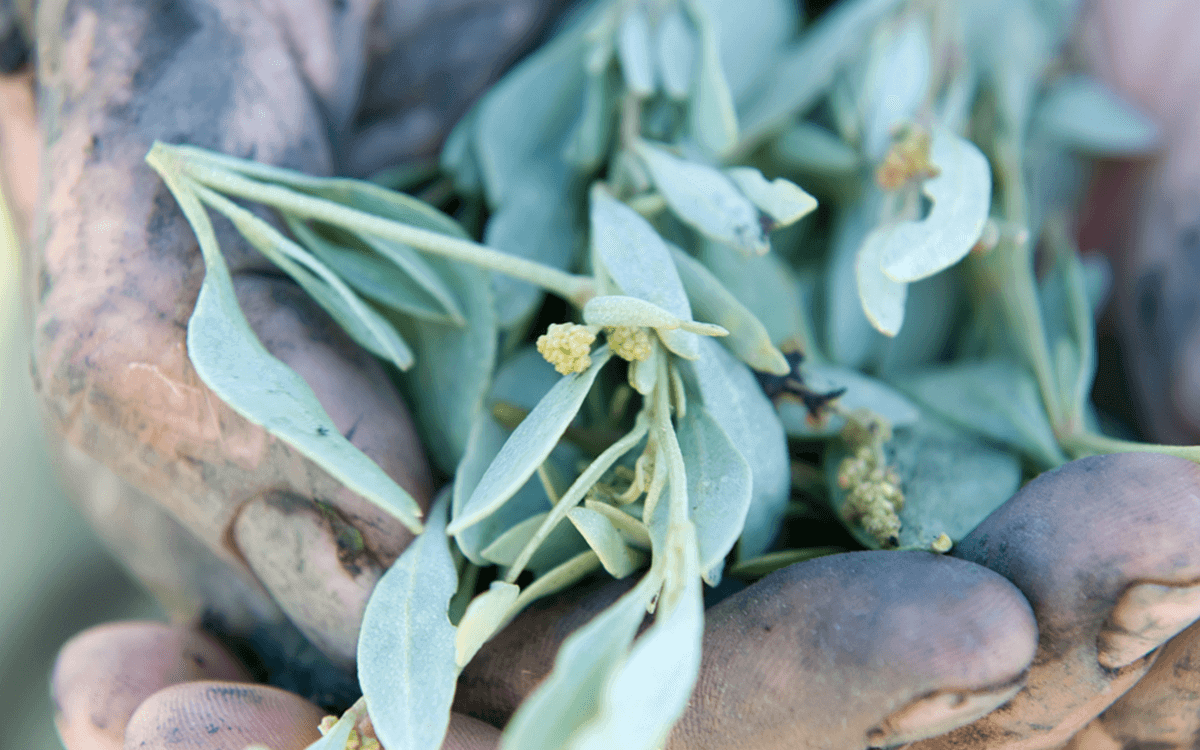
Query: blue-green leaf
[(566, 699), (231, 361), (751, 35), (862, 392), (961, 196), (882, 298), (706, 199), (995, 398), (485, 615), (896, 84), (808, 147), (734, 399), (603, 537), (529, 444), (719, 488), (1083, 113), (676, 48), (781, 199), (633, 50), (406, 645), (712, 114)]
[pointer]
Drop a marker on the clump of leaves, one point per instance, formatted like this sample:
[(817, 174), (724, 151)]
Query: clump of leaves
[(669, 139)]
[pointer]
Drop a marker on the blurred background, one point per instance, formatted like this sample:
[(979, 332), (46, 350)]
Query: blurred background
[(55, 579)]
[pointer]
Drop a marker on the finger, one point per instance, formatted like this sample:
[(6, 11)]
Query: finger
[(1162, 711), (223, 716), (1105, 550), (466, 733), (856, 650), (103, 674)]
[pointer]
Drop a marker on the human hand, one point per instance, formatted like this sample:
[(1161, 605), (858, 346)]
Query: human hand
[(907, 681)]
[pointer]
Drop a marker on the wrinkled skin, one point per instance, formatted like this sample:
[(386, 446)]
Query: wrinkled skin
[(1070, 606)]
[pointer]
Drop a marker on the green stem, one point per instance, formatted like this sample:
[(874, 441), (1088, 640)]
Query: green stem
[(575, 493), (1091, 444), (571, 287)]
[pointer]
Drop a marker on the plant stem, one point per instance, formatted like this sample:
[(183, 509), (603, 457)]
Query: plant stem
[(574, 288), (1091, 444)]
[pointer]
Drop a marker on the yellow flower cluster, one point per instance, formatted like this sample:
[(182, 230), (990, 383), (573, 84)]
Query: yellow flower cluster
[(567, 346), (362, 737), (629, 343), (906, 160), (873, 496)]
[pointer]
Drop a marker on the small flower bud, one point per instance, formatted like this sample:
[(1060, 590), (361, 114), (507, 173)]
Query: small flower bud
[(629, 343), (567, 346)]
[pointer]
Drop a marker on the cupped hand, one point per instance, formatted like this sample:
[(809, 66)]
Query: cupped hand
[(1093, 565)]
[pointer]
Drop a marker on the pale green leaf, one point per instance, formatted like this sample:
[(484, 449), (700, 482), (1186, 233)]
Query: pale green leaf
[(862, 392), (561, 544), (454, 365), (706, 199), (521, 381), (535, 221), (718, 485), (781, 199), (808, 147), (374, 277), (529, 444), (882, 298), (711, 111), (420, 270), (748, 338), (231, 361), (896, 82), (675, 45), (406, 644), (617, 310), (566, 699), (734, 399), (961, 196), (561, 576), (632, 529), (751, 35), (337, 736), (364, 324), (996, 398), (644, 696), (951, 482), (458, 156), (485, 615), (588, 144), (633, 50), (805, 70), (851, 338), (602, 536), (1083, 113)]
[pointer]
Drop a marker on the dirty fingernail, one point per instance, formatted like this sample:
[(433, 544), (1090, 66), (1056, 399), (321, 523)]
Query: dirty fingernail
[(315, 566), (1146, 616), (103, 674), (219, 715), (939, 713)]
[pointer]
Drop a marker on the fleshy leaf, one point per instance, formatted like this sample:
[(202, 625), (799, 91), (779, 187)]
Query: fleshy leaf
[(406, 644), (561, 544), (882, 298), (565, 700), (374, 277), (454, 365), (961, 196), (995, 398), (1082, 113), (751, 36), (781, 199), (632, 529), (734, 399), (706, 199), (852, 340), (951, 482), (618, 310), (896, 84), (676, 48), (484, 617), (748, 337), (643, 374), (337, 736), (633, 50), (712, 114), (719, 488), (862, 392), (808, 147), (603, 537), (530, 444), (231, 361)]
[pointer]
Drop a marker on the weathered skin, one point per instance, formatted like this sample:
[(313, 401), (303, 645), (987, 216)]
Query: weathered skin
[(112, 271)]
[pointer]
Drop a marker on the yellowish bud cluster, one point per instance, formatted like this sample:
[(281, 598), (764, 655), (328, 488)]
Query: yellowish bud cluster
[(567, 346), (906, 160), (362, 736), (873, 495), (629, 343), (942, 544)]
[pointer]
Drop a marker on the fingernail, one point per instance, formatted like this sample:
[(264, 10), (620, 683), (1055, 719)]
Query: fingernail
[(1146, 616), (314, 565), (219, 715), (938, 714)]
